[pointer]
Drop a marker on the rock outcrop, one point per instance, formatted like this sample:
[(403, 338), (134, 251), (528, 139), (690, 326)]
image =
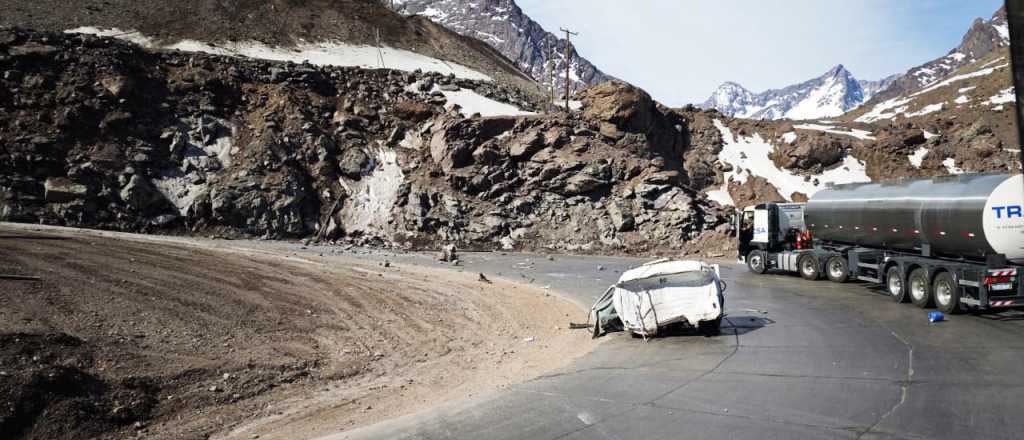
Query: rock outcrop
[(100, 133)]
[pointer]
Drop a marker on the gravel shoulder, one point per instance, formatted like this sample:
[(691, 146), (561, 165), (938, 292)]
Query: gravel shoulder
[(172, 338)]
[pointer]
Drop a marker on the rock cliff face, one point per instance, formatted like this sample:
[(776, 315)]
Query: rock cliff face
[(504, 26), (100, 133)]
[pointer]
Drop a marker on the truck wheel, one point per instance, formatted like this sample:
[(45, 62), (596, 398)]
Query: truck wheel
[(918, 289), (946, 293), (894, 282), (836, 269), (756, 262), (809, 267)]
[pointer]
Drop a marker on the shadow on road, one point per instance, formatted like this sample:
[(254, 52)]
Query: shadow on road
[(742, 325), (731, 325)]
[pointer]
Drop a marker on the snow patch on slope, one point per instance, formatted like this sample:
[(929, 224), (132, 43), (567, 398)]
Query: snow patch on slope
[(859, 134), (321, 54), (750, 156), (886, 110), (1005, 96), (373, 196), (951, 167), (917, 158), (472, 102)]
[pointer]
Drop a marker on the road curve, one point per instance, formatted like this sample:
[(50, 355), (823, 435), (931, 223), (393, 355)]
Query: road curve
[(796, 359)]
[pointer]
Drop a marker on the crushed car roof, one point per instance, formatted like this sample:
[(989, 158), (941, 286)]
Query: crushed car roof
[(659, 268)]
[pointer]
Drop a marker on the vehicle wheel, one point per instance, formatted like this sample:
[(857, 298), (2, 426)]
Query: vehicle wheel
[(946, 293), (895, 283), (710, 328), (809, 267), (756, 262), (836, 269), (918, 289)]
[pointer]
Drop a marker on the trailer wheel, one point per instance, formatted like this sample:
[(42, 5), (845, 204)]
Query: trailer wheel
[(836, 269), (918, 288), (946, 293), (894, 282), (810, 269), (755, 262)]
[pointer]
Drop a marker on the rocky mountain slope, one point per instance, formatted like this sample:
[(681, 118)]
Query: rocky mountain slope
[(838, 91), (950, 116), (830, 95), (97, 132), (336, 32), (983, 38), (504, 26)]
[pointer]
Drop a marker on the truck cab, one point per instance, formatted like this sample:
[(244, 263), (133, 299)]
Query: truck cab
[(770, 228)]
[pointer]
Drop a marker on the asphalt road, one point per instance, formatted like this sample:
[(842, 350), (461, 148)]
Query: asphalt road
[(796, 359)]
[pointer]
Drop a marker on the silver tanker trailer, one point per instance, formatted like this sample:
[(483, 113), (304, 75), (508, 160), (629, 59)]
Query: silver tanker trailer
[(952, 242)]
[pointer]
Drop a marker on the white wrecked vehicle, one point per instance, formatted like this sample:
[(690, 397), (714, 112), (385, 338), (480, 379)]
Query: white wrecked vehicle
[(662, 294)]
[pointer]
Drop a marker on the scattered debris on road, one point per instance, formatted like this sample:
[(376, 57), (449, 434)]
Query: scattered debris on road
[(448, 254), (20, 277)]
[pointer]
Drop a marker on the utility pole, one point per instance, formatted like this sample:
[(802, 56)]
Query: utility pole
[(553, 66), (1015, 20), (568, 64)]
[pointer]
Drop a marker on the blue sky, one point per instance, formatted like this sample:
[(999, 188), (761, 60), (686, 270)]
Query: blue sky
[(681, 50)]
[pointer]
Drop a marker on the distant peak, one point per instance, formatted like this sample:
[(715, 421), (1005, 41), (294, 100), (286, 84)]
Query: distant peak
[(731, 85), (837, 70)]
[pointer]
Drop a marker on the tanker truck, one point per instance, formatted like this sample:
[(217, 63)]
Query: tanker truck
[(955, 243)]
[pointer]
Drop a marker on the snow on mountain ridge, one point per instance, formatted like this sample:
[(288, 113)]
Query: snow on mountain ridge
[(830, 95), (505, 27)]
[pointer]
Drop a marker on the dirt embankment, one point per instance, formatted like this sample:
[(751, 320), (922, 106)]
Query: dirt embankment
[(167, 340)]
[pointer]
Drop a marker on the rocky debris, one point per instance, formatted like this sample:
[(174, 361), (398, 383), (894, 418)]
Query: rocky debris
[(53, 391), (448, 254), (246, 147)]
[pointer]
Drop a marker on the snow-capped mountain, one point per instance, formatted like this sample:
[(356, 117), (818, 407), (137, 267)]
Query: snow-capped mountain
[(984, 37), (505, 27), (830, 95)]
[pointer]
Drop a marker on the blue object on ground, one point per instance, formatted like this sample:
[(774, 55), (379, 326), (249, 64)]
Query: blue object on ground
[(936, 316)]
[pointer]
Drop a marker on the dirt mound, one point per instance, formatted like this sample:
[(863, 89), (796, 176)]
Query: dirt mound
[(174, 341), (50, 395)]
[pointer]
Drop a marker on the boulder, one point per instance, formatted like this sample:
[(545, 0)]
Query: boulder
[(582, 183), (526, 145), (448, 152), (673, 200), (412, 111), (622, 218), (447, 253), (117, 85), (63, 190), (754, 191), (140, 194), (487, 155), (624, 105), (809, 152), (353, 161)]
